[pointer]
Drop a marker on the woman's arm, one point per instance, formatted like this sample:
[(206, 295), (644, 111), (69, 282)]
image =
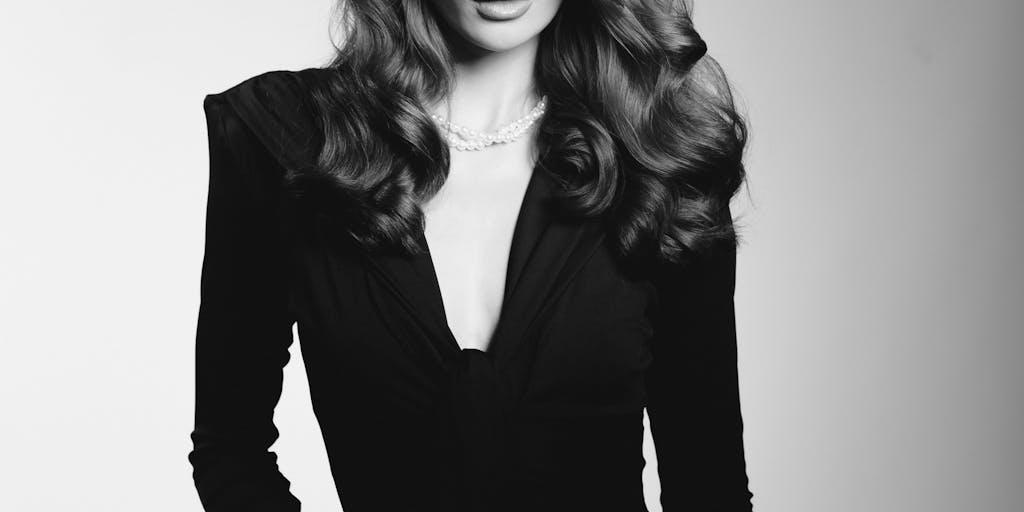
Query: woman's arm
[(693, 391), (244, 329)]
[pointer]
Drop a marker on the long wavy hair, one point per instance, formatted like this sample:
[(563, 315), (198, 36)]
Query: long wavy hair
[(640, 129)]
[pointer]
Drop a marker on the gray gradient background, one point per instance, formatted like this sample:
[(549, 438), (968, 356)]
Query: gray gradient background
[(879, 296)]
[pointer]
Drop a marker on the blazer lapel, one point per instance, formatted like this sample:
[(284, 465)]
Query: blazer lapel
[(546, 252), (410, 280)]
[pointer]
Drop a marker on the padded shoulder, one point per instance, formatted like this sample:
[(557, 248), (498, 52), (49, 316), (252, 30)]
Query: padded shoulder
[(277, 107)]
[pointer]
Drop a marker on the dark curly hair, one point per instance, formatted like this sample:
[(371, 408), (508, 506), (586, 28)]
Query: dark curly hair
[(641, 127)]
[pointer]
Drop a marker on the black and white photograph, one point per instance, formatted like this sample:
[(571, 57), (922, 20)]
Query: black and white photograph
[(513, 256)]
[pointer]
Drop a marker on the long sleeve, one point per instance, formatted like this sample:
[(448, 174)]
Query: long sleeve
[(243, 330), (693, 391)]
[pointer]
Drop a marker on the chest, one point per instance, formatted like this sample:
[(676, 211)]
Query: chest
[(469, 229)]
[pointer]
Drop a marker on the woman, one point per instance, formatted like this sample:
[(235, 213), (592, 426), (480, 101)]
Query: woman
[(483, 316)]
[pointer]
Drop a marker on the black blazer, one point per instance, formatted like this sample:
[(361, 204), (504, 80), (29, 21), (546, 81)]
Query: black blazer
[(549, 418)]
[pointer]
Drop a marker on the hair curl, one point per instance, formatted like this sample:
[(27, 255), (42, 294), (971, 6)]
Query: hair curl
[(641, 125)]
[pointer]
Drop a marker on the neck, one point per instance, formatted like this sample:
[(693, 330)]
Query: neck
[(492, 89)]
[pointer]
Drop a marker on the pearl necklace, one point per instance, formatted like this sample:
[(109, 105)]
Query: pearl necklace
[(465, 139)]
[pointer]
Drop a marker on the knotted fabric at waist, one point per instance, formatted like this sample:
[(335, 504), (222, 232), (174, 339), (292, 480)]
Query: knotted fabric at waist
[(474, 416)]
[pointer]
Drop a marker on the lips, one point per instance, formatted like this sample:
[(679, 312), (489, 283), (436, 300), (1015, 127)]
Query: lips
[(502, 10)]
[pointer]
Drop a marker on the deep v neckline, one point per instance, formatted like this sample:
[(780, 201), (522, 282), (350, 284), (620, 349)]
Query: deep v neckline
[(512, 266)]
